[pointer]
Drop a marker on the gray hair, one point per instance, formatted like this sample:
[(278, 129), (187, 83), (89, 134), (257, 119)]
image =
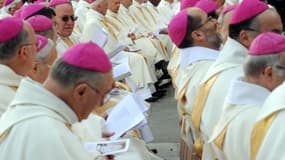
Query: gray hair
[(68, 76), (254, 65), (8, 49), (48, 33), (43, 55)]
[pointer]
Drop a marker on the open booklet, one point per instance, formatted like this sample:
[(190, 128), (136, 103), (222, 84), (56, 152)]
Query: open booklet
[(118, 49), (109, 147), (100, 37), (126, 115), (121, 71)]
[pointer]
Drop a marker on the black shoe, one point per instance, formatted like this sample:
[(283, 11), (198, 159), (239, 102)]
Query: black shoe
[(152, 99), (164, 83), (158, 94), (161, 90)]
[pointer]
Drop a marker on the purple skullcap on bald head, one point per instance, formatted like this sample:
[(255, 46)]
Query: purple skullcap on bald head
[(267, 43), (177, 28), (228, 9), (207, 6), (53, 3), (247, 9), (88, 56), (31, 9), (40, 23), (187, 3), (10, 27)]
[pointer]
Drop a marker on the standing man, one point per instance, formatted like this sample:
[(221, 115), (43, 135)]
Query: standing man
[(250, 18), (76, 85), (17, 55)]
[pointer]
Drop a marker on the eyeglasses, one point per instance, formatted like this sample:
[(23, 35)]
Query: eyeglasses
[(251, 29), (66, 18), (209, 18), (28, 44), (280, 67), (105, 97)]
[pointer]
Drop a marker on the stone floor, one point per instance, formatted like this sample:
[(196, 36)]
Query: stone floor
[(163, 121)]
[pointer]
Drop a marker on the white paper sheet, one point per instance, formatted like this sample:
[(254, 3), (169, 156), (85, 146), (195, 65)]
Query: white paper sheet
[(121, 71), (124, 116), (109, 147), (100, 37)]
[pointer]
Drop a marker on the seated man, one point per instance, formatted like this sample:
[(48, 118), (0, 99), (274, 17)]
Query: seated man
[(76, 85)]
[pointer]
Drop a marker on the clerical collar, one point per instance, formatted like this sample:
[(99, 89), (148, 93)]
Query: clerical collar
[(123, 8), (97, 14), (136, 4), (244, 93), (111, 13), (197, 53)]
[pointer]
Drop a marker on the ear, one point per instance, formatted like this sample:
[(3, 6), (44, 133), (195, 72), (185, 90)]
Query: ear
[(80, 91), (197, 35), (245, 38), (22, 53), (268, 76), (36, 67)]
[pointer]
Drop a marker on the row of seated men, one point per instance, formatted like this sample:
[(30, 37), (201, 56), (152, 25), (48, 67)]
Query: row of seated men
[(52, 75), (145, 42), (228, 78)]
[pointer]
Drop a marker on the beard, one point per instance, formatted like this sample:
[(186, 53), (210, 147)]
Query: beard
[(214, 39)]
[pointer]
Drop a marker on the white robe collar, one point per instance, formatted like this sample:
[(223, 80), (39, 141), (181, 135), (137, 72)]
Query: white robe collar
[(244, 93), (136, 4), (38, 96), (83, 3), (110, 13), (94, 14), (8, 76), (123, 9), (197, 53), (232, 52)]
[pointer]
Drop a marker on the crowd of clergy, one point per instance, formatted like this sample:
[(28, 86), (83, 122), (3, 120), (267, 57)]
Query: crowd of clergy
[(224, 58)]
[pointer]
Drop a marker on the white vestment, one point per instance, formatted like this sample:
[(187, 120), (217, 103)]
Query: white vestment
[(81, 11), (37, 126), (151, 23), (272, 146), (242, 104), (4, 14), (62, 46), (194, 64), (166, 9), (121, 30), (133, 25), (229, 66), (141, 75), (9, 82)]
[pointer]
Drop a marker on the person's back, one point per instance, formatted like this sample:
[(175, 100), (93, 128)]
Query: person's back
[(38, 122), (40, 127), (209, 104), (17, 52)]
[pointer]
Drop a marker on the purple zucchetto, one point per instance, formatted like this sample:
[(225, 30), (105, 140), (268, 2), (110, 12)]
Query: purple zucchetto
[(177, 27), (88, 56), (10, 27), (207, 6), (40, 23), (267, 43), (53, 3), (31, 9), (246, 10)]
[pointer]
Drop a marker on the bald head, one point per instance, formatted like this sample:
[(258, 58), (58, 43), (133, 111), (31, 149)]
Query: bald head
[(64, 19)]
